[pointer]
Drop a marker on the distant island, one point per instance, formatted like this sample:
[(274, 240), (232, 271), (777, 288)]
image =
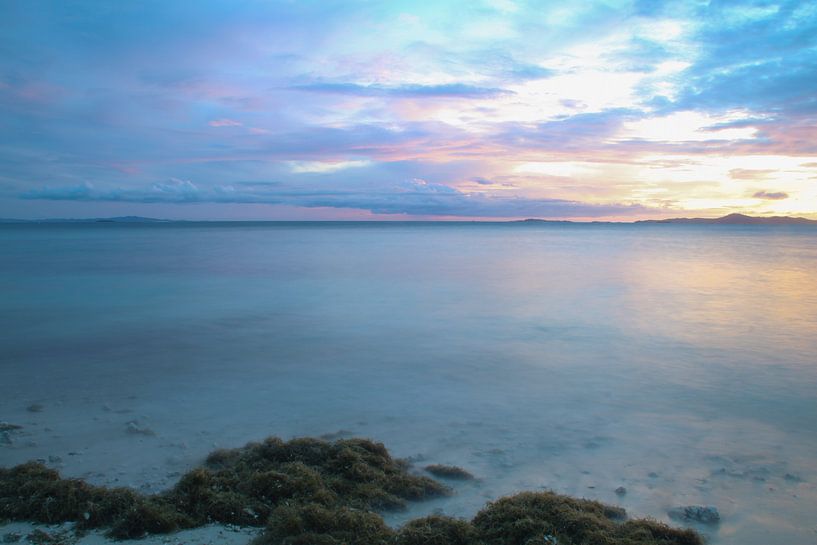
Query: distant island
[(118, 219), (731, 219), (737, 219)]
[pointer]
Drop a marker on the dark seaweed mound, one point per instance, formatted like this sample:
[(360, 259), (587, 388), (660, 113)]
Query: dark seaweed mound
[(449, 472), (308, 491), (35, 493), (545, 517)]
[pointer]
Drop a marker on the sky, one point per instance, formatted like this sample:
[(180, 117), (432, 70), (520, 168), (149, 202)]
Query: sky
[(398, 110)]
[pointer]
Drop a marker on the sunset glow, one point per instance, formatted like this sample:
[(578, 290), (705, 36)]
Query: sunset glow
[(408, 110)]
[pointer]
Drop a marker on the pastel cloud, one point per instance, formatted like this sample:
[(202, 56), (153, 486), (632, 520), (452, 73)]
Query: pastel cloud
[(749, 174), (411, 197), (450, 90), (771, 195), (325, 166), (224, 122)]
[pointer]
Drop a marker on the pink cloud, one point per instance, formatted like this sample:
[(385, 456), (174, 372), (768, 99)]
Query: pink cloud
[(126, 168), (225, 122), (35, 92)]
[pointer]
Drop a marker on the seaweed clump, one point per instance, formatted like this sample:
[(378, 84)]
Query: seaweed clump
[(449, 472), (36, 493), (354, 473), (537, 517), (308, 491), (437, 530), (239, 486), (314, 524)]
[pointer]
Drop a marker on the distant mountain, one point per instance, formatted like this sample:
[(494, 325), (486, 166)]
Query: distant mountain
[(119, 219), (535, 220), (131, 219), (731, 219), (737, 219)]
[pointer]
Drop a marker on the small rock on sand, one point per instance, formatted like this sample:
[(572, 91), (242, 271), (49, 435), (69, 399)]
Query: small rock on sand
[(620, 491), (134, 428)]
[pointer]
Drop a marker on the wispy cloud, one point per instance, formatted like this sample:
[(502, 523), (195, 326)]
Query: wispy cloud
[(749, 174), (410, 197), (771, 195), (321, 167), (224, 122), (447, 90)]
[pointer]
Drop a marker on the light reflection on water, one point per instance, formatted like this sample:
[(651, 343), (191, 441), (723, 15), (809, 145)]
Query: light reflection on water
[(680, 362)]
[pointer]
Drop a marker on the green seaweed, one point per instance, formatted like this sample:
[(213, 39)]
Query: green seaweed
[(314, 524), (36, 493), (309, 491), (437, 530), (148, 516), (530, 517), (449, 472), (353, 472)]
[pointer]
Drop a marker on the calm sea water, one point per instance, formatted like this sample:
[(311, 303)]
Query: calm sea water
[(677, 361)]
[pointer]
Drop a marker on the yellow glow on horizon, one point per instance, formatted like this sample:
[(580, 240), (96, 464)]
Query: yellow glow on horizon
[(683, 185)]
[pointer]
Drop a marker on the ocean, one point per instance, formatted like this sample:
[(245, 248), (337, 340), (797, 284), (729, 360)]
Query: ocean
[(678, 362)]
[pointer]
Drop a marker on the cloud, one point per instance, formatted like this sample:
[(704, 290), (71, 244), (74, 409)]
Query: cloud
[(320, 167), (500, 65), (82, 192), (174, 191), (224, 122), (771, 196), (583, 131), (749, 174), (410, 197), (761, 59), (448, 90), (523, 72)]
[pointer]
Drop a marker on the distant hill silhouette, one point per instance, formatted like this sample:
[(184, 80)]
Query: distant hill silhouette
[(536, 220), (737, 219), (731, 219), (118, 219)]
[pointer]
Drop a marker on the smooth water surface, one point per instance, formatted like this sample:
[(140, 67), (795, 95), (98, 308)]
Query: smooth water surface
[(677, 361)]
